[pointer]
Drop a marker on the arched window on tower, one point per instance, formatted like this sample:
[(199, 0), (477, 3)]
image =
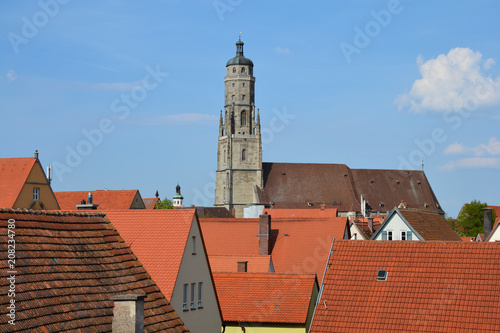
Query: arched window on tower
[(243, 69), (234, 69), (243, 118), (243, 154)]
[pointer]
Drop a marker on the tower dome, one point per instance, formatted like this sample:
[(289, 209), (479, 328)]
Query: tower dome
[(239, 59)]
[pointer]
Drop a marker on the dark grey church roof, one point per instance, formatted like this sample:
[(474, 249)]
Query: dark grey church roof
[(303, 185)]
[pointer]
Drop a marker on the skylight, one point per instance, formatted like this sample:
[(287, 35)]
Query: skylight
[(382, 275)]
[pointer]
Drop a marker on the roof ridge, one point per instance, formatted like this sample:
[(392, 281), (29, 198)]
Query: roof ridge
[(51, 212)]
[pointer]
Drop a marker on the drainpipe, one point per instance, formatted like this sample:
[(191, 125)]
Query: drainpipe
[(242, 328)]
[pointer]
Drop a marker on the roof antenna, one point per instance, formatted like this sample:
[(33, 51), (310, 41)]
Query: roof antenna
[(422, 164)]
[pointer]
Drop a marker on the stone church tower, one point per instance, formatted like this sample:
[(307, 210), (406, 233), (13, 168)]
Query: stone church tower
[(239, 154)]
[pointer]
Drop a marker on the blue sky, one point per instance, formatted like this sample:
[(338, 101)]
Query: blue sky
[(127, 94)]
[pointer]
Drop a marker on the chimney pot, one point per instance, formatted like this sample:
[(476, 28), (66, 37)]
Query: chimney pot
[(36, 154), (89, 198), (488, 223), (128, 313)]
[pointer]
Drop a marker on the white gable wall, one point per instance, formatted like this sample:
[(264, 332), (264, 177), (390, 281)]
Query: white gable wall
[(395, 224)]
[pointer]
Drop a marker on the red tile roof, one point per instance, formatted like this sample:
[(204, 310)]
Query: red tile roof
[(430, 287), (229, 263), (68, 264), (431, 226), (150, 202), (305, 212), (158, 237), (299, 245), (13, 175), (106, 199), (496, 209), (264, 298), (294, 185), (362, 224)]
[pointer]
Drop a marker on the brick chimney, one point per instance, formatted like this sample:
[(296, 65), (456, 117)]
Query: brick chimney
[(264, 234), (242, 266), (323, 206), (370, 223), (128, 313), (488, 223)]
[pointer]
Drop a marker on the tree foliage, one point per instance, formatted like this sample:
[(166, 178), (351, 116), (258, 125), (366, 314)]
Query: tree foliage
[(469, 222), (164, 204)]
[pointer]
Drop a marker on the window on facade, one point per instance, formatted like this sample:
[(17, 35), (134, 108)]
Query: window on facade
[(185, 298), (405, 235), (386, 235), (36, 193), (243, 154), (243, 69), (243, 118), (243, 84), (193, 245), (234, 69), (200, 287), (193, 286), (232, 85), (232, 97), (242, 97)]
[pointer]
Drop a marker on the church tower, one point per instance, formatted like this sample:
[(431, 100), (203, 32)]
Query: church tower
[(239, 154)]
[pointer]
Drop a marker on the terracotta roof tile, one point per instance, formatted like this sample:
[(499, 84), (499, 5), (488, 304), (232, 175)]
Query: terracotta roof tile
[(160, 243), (229, 263), (106, 199), (264, 298), (299, 245), (430, 286), (431, 226), (150, 202), (13, 175), (68, 265), (300, 212)]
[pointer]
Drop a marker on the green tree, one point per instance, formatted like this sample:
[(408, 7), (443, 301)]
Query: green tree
[(469, 222), (164, 204)]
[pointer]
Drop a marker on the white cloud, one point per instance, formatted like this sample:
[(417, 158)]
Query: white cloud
[(284, 50), (472, 163), (452, 81), (11, 75), (492, 148)]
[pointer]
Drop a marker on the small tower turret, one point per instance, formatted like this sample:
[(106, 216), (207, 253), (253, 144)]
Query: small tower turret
[(178, 197)]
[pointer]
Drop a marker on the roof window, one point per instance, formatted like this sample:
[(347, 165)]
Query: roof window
[(382, 275)]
